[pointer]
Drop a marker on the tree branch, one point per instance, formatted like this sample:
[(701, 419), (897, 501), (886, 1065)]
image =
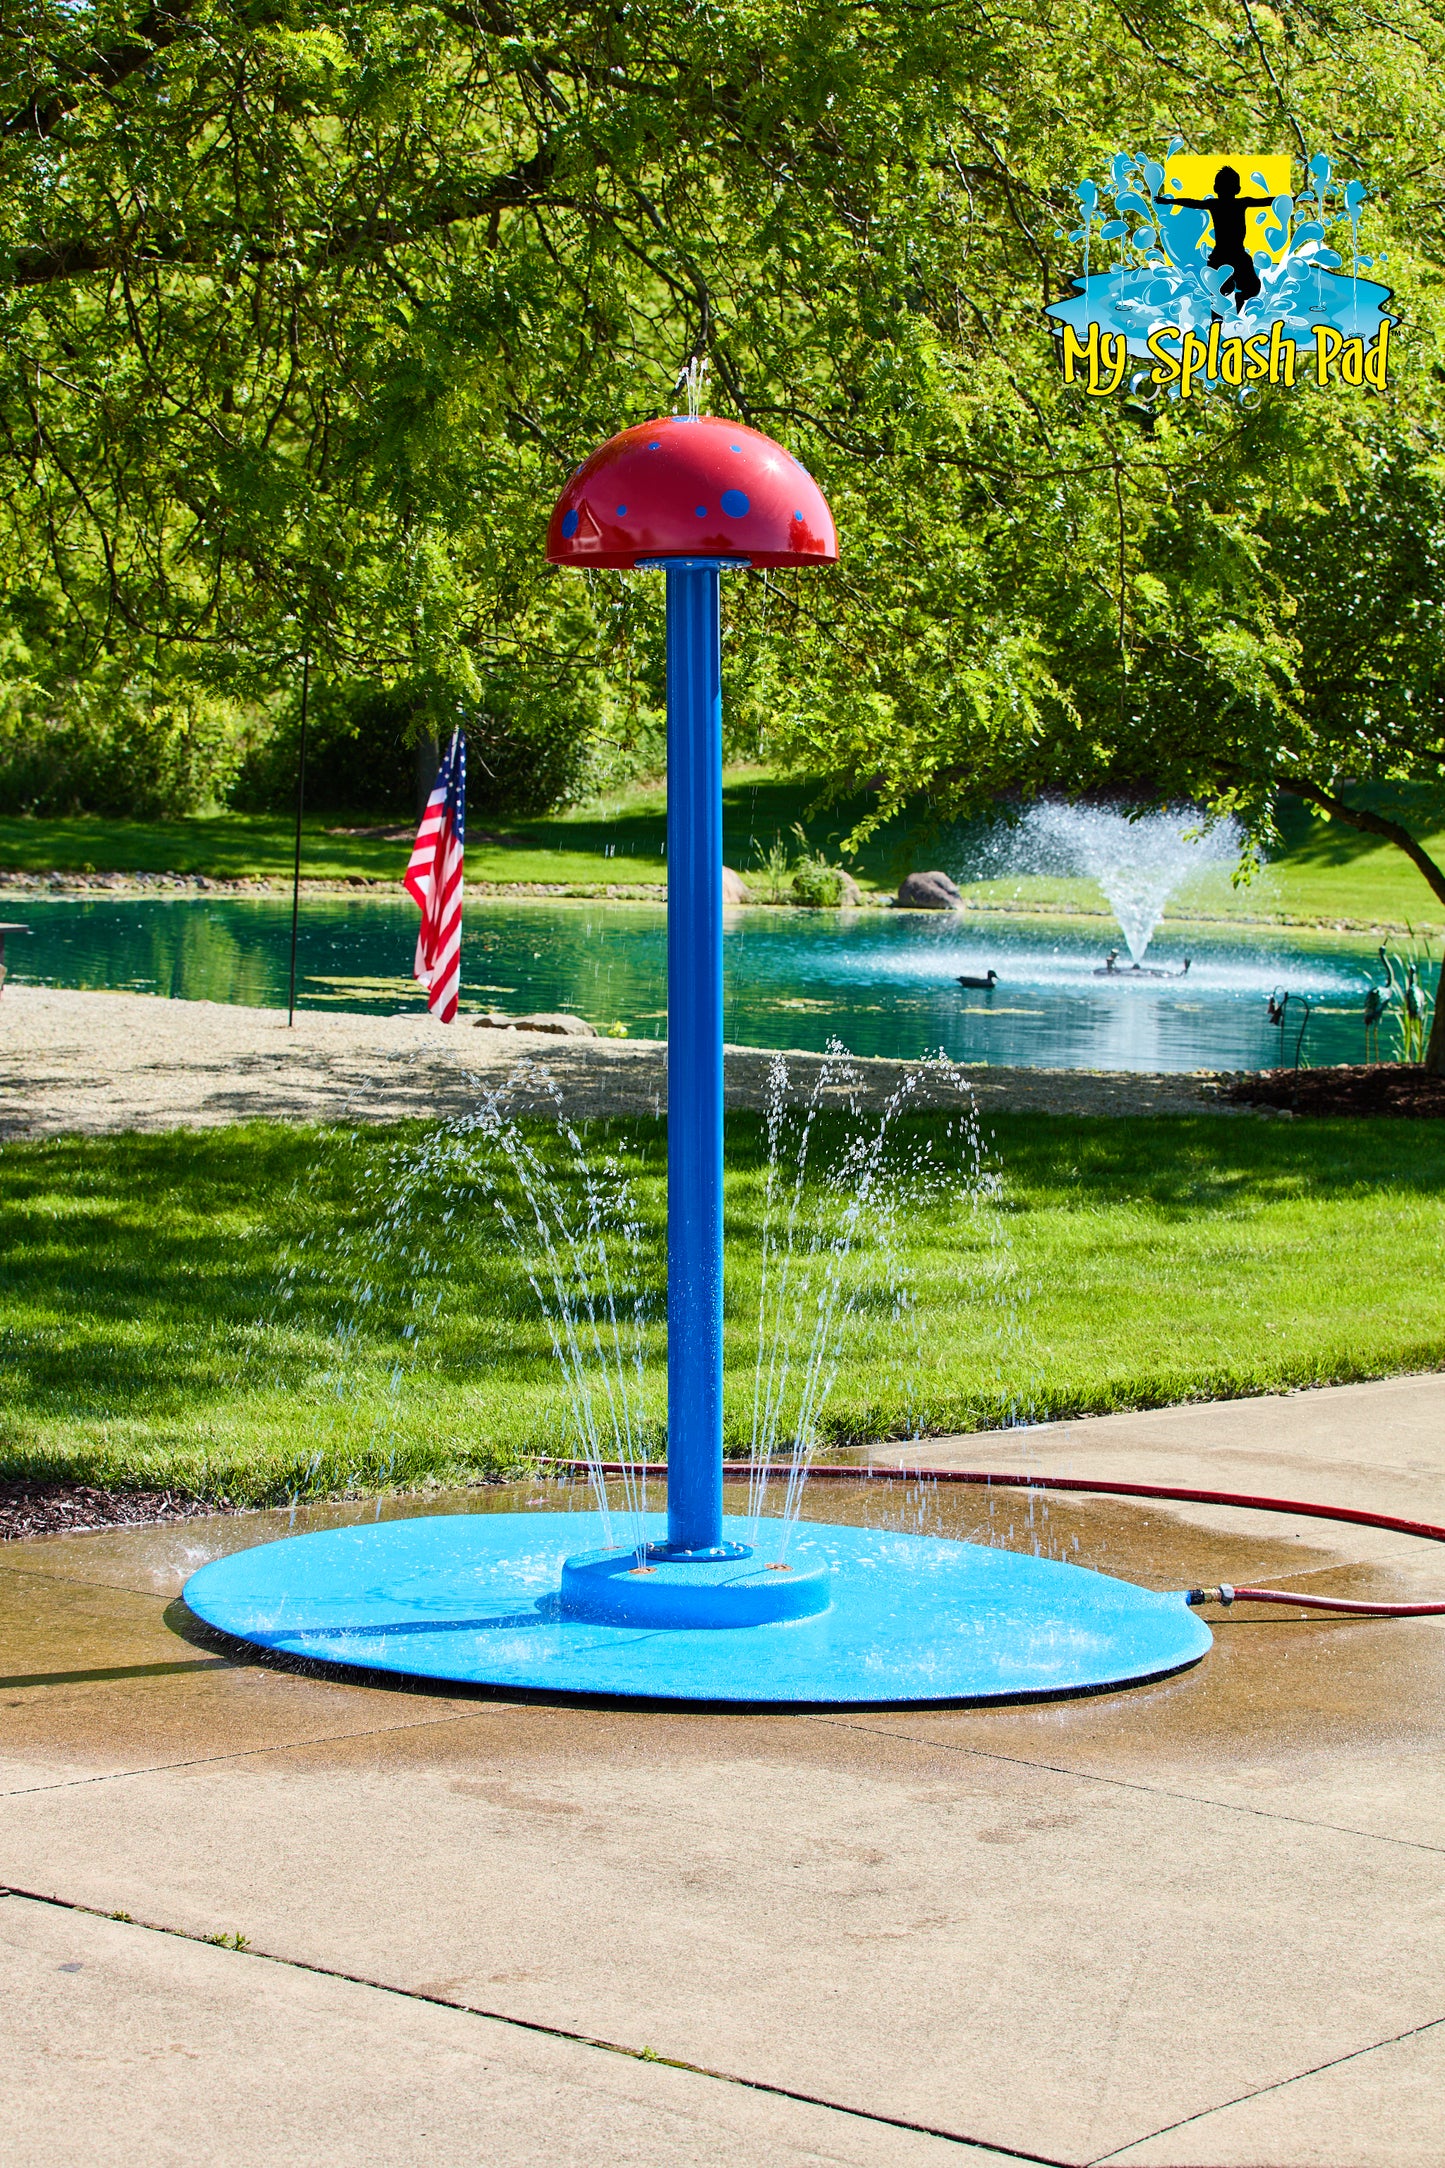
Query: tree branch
[(1372, 824), (524, 185), (1285, 108), (46, 108)]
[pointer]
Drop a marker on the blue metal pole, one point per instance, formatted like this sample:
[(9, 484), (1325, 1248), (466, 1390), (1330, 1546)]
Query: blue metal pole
[(694, 1059)]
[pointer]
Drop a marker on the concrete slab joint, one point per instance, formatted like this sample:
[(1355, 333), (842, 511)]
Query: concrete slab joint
[(912, 1937)]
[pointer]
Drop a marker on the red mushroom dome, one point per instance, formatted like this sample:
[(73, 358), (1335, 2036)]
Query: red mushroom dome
[(691, 487)]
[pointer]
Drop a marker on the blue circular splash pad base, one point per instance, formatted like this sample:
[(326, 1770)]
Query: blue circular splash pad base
[(473, 1598)]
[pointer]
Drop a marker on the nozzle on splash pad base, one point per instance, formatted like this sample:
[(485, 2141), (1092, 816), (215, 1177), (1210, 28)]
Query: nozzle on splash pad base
[(492, 1599), (661, 1590)]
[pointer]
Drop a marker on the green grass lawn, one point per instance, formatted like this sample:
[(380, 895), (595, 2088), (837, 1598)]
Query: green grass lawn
[(227, 846), (1322, 875), (261, 847), (616, 839), (213, 1309), (1326, 871)]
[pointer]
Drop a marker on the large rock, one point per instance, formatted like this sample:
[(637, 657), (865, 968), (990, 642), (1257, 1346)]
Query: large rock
[(558, 1024), (852, 894), (735, 888), (928, 892)]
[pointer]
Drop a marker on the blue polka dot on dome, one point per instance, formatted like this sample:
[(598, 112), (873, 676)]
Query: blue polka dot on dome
[(797, 515), (622, 511), (569, 525), (737, 447), (702, 511), (654, 447), (734, 503)]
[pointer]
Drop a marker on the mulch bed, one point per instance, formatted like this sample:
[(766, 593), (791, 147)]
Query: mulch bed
[(29, 1508), (1398, 1088)]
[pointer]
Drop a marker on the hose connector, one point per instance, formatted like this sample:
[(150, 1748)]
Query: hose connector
[(1223, 1594)]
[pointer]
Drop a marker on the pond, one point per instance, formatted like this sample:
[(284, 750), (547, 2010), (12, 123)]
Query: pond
[(882, 981)]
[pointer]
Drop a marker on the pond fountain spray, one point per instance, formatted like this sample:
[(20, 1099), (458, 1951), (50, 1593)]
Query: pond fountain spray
[(699, 1607), (1139, 861)]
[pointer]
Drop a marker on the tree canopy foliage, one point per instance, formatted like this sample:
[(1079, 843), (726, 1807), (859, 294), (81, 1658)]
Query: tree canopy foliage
[(309, 309)]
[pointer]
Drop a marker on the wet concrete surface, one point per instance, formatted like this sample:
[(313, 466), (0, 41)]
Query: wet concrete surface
[(82, 1611), (1194, 1922)]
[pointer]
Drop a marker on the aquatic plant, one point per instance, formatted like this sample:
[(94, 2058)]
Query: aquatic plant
[(817, 885), (799, 875), (773, 869), (1409, 997)]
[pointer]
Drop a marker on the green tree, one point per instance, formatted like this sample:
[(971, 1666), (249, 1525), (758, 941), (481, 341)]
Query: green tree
[(1360, 580), (309, 309)]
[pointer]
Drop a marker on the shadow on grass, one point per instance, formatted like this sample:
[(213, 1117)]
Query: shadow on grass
[(142, 1272), (1308, 841), (757, 810), (223, 1299), (1179, 1166)]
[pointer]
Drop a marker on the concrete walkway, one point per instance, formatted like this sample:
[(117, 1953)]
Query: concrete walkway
[(97, 1062), (1194, 1926)]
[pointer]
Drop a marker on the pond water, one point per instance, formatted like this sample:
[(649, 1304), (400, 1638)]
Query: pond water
[(884, 982)]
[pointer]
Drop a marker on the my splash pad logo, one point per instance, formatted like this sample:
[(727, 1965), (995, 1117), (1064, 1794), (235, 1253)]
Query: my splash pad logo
[(1223, 277)]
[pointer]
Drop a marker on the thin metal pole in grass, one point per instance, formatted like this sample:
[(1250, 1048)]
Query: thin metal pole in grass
[(1308, 1008), (300, 802)]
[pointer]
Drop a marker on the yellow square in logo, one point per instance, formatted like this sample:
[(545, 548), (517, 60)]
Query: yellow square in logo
[(1192, 176)]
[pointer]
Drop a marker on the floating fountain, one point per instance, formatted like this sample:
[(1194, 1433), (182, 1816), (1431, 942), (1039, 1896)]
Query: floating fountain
[(1137, 862), (695, 1607)]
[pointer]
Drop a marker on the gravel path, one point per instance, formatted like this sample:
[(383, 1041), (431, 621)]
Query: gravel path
[(99, 1062)]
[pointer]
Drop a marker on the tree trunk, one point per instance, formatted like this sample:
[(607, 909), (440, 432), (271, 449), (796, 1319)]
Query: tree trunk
[(1435, 1044), (428, 760), (1375, 824)]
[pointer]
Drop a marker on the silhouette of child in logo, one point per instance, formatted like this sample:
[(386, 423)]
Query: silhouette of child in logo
[(1227, 207)]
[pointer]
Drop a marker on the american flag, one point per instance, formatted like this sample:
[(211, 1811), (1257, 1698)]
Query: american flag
[(433, 880)]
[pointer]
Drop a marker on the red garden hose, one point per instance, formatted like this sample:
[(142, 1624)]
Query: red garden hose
[(830, 1471)]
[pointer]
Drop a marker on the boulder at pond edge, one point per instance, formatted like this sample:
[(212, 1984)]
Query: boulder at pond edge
[(561, 1026), (928, 892)]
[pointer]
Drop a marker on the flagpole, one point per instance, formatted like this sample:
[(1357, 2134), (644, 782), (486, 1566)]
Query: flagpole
[(300, 801)]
